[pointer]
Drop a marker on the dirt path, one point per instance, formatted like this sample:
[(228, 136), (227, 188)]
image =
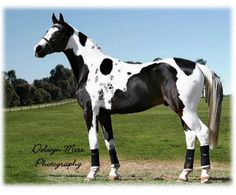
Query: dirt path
[(145, 172)]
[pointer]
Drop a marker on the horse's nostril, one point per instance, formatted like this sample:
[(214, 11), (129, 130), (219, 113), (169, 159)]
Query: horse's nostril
[(38, 48)]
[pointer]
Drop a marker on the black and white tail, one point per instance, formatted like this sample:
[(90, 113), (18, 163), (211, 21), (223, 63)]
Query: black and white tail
[(214, 97)]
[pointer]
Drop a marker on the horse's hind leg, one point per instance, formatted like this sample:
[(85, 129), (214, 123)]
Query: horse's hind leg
[(196, 129), (190, 138), (203, 137)]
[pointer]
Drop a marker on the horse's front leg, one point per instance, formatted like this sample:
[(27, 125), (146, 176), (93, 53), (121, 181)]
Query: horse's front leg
[(90, 116), (105, 121)]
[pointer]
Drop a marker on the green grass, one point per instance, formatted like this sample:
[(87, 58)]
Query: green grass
[(152, 135)]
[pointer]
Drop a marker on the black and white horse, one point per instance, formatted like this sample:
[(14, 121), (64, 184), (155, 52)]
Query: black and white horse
[(106, 85)]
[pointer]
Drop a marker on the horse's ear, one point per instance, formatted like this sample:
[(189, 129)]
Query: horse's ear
[(54, 19), (61, 19)]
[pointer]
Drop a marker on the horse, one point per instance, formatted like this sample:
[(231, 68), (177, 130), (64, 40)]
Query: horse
[(106, 86)]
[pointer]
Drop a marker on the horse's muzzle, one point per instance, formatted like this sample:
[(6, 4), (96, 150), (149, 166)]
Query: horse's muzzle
[(39, 51)]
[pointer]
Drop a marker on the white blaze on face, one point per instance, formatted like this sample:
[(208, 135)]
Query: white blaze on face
[(48, 36), (50, 32)]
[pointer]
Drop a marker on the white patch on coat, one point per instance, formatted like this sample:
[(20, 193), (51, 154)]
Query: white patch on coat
[(93, 138), (93, 134), (202, 134), (190, 88), (190, 137)]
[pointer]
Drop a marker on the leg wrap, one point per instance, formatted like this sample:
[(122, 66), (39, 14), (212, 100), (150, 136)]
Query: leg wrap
[(95, 158), (205, 157), (113, 156), (189, 159)]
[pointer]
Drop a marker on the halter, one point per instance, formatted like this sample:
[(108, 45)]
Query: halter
[(48, 42)]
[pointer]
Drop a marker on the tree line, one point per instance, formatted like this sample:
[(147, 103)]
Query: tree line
[(60, 85)]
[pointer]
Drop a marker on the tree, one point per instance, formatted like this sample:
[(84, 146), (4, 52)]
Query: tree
[(42, 96), (24, 92), (64, 79), (33, 91), (55, 92), (19, 81), (10, 96), (46, 96), (60, 85), (11, 75), (38, 98), (38, 83), (51, 88), (58, 73), (65, 88)]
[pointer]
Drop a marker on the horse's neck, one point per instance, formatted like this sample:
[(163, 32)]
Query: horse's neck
[(90, 52), (82, 58)]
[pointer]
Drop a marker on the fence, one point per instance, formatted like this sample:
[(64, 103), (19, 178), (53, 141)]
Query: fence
[(20, 108)]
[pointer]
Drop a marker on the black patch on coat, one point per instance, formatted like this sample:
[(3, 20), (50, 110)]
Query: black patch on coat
[(78, 66), (110, 86), (129, 73), (82, 38), (101, 94), (186, 66), (154, 85), (106, 66)]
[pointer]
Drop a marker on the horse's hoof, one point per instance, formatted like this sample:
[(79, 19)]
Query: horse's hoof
[(183, 179), (88, 179), (205, 179), (113, 177)]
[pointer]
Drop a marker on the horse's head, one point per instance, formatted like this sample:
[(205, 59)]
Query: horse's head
[(56, 38)]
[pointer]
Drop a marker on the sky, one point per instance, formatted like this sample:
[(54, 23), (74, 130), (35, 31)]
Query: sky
[(126, 34)]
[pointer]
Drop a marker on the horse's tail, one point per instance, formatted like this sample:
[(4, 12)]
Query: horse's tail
[(214, 97)]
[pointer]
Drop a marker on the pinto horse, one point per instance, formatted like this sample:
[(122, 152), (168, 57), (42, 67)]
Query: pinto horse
[(106, 85)]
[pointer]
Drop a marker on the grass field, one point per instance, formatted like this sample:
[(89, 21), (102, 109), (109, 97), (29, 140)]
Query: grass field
[(150, 145)]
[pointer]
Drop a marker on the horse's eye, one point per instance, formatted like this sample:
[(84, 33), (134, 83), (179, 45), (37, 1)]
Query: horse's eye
[(57, 33)]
